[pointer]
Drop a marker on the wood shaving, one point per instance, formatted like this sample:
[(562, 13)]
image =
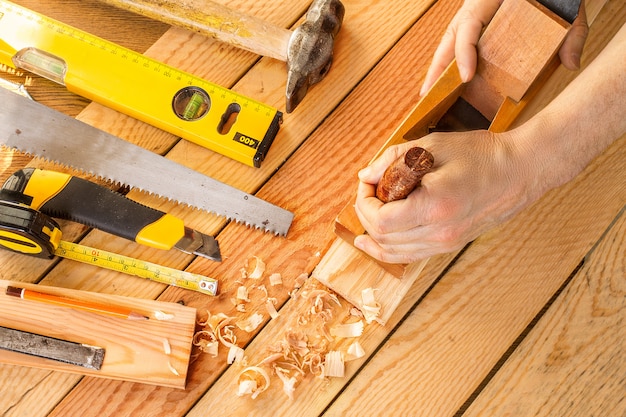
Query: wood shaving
[(159, 315), (355, 351), (370, 307), (242, 294), (255, 267), (276, 279), (166, 347), (289, 382), (252, 381), (206, 341), (300, 280), (235, 354), (347, 330), (334, 364), (216, 329), (251, 323), (263, 289), (172, 369), (270, 305)]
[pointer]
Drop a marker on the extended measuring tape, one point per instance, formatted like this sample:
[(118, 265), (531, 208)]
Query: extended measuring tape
[(28, 231), (155, 93), (136, 267)]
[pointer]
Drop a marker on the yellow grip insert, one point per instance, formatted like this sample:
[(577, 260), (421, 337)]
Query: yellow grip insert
[(162, 234), (44, 185)]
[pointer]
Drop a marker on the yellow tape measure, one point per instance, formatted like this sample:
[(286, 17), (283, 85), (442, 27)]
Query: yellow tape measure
[(136, 267), (175, 101)]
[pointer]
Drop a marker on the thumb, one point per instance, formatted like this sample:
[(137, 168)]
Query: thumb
[(574, 42)]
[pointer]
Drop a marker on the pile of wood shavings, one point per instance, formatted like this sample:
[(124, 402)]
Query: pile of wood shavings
[(320, 352)]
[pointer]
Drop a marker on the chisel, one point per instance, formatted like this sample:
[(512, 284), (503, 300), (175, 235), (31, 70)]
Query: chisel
[(74, 353)]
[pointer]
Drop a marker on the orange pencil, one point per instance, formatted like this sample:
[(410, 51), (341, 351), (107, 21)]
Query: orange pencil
[(108, 310)]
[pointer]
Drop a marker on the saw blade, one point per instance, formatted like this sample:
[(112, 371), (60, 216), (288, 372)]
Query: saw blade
[(32, 128)]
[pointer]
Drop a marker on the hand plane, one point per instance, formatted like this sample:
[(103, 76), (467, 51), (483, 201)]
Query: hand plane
[(508, 75)]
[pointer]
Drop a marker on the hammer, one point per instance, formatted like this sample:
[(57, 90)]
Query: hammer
[(308, 50)]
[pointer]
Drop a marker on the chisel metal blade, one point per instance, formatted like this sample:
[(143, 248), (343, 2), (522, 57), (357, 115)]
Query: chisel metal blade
[(35, 129), (51, 348)]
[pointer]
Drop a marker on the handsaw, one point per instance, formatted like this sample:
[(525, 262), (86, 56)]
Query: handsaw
[(32, 128)]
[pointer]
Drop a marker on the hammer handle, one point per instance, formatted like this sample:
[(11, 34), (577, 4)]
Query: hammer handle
[(216, 21)]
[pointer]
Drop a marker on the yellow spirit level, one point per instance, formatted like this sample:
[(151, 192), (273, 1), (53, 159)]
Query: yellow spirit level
[(155, 93)]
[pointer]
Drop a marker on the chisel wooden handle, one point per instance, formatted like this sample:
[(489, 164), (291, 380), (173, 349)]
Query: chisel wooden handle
[(67, 197)]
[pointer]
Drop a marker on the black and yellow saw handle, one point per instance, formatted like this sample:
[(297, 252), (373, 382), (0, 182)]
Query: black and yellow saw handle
[(67, 197)]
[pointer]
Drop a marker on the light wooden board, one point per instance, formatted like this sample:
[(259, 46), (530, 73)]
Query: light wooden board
[(135, 349), (348, 272), (467, 323), (574, 361), (316, 204), (314, 209)]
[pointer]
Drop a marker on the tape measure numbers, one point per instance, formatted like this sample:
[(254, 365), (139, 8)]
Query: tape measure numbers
[(28, 231), (136, 267), (173, 100)]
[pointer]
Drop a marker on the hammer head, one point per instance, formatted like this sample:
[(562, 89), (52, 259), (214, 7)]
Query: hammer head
[(310, 52)]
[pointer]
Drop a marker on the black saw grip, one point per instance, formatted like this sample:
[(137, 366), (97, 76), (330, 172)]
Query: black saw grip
[(67, 197)]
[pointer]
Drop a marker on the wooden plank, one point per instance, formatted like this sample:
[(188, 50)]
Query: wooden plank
[(343, 261), (472, 317), (134, 348), (475, 313), (573, 361), (315, 205)]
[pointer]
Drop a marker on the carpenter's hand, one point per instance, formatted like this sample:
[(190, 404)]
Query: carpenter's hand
[(478, 181), (464, 30)]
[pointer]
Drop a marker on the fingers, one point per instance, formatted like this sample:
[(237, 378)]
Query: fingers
[(390, 255), (459, 41), (572, 48), (444, 54), (465, 48), (374, 172)]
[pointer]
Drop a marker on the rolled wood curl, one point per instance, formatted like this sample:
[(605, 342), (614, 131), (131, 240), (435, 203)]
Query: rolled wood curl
[(404, 175)]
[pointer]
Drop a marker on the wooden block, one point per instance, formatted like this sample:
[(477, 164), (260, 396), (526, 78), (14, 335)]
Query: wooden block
[(135, 349), (349, 271), (515, 48)]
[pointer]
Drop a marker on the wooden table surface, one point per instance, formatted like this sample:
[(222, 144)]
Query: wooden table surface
[(529, 319)]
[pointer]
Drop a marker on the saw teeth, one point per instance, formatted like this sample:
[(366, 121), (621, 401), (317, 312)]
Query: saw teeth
[(119, 183)]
